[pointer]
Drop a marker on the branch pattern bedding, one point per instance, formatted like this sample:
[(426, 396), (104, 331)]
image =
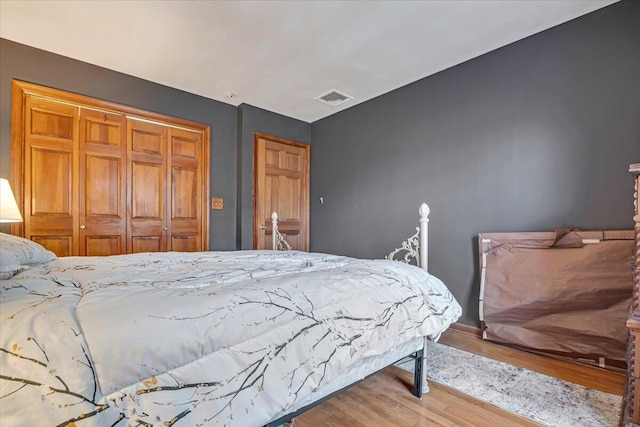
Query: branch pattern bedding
[(209, 338)]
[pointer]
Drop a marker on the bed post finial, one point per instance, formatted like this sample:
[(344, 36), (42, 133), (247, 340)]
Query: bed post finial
[(278, 242), (274, 234), (424, 212), (424, 236)]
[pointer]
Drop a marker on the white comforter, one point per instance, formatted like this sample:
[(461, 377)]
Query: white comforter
[(212, 338)]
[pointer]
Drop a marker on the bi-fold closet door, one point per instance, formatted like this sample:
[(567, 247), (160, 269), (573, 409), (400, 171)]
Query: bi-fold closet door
[(103, 182), (166, 198)]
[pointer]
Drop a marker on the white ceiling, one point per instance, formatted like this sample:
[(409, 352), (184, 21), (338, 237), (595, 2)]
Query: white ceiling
[(280, 55)]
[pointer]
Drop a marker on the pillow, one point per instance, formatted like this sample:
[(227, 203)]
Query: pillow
[(8, 265), (17, 253)]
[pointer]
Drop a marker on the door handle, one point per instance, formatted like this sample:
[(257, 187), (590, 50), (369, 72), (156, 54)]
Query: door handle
[(263, 227), (82, 227)]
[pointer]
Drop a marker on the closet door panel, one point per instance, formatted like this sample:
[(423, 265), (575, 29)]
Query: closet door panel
[(102, 213), (49, 119), (185, 244), (185, 144), (103, 245), (51, 186), (103, 129), (147, 244), (50, 191), (59, 245), (103, 176), (184, 201), (147, 222), (147, 138), (147, 187), (186, 192)]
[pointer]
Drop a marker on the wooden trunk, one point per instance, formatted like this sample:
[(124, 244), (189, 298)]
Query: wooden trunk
[(631, 403)]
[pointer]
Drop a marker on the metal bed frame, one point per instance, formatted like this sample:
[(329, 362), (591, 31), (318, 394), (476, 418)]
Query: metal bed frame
[(415, 247)]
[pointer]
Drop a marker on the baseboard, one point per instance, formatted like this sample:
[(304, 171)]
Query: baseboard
[(466, 329)]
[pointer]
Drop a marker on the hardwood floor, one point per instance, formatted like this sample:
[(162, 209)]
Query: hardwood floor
[(385, 399)]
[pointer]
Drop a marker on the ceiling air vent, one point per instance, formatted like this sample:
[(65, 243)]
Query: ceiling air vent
[(334, 98)]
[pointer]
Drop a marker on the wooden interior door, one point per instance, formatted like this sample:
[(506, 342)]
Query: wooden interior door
[(147, 158), (281, 184), (50, 184), (102, 207)]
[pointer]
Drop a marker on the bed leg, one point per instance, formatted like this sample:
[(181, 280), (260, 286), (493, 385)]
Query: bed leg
[(418, 374), (420, 382)]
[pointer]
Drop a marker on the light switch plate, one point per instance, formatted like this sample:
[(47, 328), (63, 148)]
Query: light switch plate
[(217, 203)]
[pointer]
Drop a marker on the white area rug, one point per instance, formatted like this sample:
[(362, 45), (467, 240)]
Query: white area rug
[(541, 398)]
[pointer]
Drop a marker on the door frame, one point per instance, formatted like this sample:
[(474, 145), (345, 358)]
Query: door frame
[(307, 168)]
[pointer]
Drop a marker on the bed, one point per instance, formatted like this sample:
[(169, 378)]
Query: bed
[(246, 338)]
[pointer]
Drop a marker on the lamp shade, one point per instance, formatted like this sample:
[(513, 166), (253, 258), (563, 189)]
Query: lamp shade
[(9, 211)]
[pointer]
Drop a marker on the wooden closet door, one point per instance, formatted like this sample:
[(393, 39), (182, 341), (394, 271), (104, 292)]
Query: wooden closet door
[(147, 169), (102, 191), (185, 177), (93, 177), (50, 181)]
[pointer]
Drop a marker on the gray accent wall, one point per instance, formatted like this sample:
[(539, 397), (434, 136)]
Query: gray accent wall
[(253, 119), (534, 136)]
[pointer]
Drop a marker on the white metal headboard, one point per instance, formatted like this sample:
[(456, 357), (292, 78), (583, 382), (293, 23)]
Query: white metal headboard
[(278, 243), (416, 246)]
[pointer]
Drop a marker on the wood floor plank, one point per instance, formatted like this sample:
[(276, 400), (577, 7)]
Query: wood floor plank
[(385, 399)]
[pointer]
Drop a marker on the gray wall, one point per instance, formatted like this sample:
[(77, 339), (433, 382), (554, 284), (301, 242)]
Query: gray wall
[(252, 119), (531, 137)]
